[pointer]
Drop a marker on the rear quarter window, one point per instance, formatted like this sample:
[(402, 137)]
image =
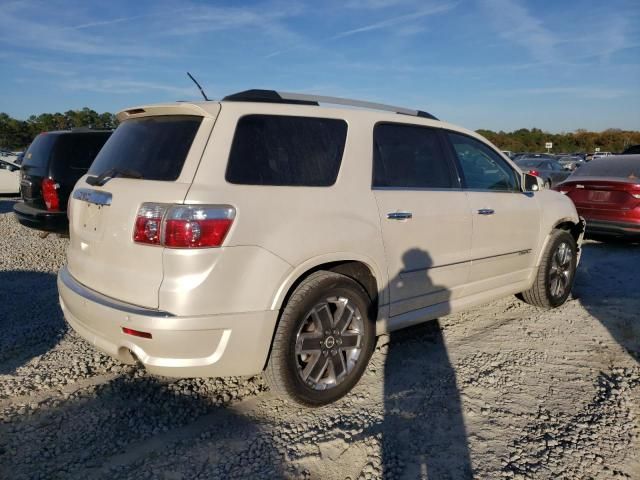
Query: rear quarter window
[(286, 151), (154, 147)]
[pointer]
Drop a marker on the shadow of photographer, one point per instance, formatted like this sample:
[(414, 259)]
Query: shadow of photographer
[(415, 396)]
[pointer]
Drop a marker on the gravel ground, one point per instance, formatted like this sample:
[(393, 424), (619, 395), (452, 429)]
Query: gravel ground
[(503, 391)]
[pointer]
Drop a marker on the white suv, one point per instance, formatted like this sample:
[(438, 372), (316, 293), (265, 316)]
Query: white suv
[(263, 233)]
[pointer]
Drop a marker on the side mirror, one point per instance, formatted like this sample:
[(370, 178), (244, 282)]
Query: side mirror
[(530, 183)]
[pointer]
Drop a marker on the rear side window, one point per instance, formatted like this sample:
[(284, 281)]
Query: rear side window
[(286, 151), (155, 148), (77, 151), (409, 156), (40, 150)]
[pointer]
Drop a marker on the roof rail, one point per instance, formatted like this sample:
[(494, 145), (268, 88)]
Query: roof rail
[(272, 96)]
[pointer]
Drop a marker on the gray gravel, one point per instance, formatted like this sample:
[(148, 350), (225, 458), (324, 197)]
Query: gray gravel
[(503, 391)]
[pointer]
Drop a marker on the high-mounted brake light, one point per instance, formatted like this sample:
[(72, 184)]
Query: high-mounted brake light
[(183, 226), (535, 173), (50, 194)]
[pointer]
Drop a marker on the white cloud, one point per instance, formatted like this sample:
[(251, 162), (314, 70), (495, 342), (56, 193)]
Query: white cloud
[(399, 20), (515, 23), (125, 86), (595, 93)]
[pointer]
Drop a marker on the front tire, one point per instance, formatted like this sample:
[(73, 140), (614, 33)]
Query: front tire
[(323, 341), (556, 273)]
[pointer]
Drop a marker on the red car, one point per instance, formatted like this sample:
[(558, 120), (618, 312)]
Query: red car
[(606, 193)]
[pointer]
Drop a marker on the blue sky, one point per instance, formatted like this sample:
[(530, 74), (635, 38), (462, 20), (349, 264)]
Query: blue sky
[(498, 64)]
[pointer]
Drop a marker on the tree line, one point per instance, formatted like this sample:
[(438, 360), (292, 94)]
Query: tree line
[(18, 134), (525, 140)]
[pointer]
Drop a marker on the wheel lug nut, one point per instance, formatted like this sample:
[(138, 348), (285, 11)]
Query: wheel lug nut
[(325, 352), (335, 332), (339, 341), (333, 352), (328, 332)]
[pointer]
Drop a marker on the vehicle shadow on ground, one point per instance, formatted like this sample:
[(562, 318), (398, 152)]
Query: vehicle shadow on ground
[(118, 429), (31, 321), (415, 396), (7, 203), (607, 287)]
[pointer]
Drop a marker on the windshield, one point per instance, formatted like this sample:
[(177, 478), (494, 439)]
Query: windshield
[(153, 147)]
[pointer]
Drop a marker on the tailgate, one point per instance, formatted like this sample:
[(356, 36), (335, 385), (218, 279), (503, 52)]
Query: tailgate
[(102, 254)]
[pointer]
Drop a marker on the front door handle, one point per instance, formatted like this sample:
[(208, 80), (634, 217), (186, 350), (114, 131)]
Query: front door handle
[(486, 211), (399, 215)]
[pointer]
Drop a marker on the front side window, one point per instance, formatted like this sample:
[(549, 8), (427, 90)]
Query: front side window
[(286, 151), (409, 156), (483, 169)]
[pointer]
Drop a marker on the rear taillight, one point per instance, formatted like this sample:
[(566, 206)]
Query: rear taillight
[(50, 194), (183, 226), (148, 225), (535, 173)]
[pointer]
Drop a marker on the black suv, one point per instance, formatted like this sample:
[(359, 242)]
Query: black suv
[(51, 167)]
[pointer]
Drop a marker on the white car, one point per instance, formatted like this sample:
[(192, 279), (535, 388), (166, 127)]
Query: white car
[(9, 177), (265, 233)]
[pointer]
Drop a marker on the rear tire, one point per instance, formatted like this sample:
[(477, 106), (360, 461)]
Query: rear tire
[(323, 341), (556, 273)]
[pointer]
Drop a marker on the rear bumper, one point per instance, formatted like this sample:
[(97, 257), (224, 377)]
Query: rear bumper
[(40, 219), (199, 346), (605, 227)]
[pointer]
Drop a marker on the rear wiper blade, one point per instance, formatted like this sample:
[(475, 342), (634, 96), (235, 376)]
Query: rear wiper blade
[(107, 175)]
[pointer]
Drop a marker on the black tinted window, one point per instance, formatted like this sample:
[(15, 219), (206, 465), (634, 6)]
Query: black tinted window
[(77, 151), (483, 168), (39, 151), (284, 150), (409, 156), (153, 147)]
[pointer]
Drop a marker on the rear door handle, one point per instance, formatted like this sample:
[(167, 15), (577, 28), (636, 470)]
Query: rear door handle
[(486, 211), (399, 215)]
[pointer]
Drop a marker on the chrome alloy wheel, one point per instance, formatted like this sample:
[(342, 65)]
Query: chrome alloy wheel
[(328, 343), (560, 271)]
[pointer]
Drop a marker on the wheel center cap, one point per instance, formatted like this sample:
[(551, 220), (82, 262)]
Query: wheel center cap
[(329, 342)]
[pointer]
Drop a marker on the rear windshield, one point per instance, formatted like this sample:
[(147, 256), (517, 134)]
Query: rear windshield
[(39, 151), (623, 168), (286, 151), (78, 150), (529, 163), (155, 148)]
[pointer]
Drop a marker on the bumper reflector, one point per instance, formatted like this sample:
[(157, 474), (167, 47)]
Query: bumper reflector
[(135, 333)]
